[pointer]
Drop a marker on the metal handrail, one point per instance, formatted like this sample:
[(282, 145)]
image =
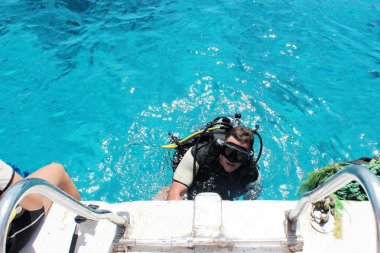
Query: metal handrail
[(365, 177), (14, 195)]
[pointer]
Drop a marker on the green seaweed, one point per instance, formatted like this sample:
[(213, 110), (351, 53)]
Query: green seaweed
[(318, 177), (351, 191)]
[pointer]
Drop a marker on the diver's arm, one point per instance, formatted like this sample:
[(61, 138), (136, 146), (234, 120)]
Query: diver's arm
[(183, 177), (177, 191)]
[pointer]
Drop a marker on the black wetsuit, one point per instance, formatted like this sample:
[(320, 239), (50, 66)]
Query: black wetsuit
[(211, 177), (22, 229)]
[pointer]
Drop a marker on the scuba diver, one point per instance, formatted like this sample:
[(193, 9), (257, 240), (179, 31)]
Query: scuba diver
[(219, 158)]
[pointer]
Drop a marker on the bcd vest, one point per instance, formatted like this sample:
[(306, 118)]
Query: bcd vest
[(211, 177)]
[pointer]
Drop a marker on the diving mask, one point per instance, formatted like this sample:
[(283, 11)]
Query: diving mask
[(235, 153)]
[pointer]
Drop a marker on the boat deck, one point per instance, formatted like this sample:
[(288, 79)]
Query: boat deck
[(205, 225)]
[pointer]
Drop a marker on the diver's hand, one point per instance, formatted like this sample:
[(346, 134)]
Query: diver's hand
[(177, 191)]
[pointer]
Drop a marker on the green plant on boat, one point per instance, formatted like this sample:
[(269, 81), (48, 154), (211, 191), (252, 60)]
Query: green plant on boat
[(352, 191)]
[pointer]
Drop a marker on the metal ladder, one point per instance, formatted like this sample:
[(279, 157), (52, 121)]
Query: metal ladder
[(358, 173), (13, 196)]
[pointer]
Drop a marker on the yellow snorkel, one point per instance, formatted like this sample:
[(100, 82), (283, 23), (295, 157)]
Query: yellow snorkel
[(173, 145)]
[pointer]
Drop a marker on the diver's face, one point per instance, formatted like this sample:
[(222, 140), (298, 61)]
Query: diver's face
[(227, 165)]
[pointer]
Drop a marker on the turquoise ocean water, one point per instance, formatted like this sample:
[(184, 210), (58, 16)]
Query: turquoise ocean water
[(97, 85)]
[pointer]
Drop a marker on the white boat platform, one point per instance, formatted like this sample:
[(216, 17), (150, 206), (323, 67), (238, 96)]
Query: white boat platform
[(207, 224)]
